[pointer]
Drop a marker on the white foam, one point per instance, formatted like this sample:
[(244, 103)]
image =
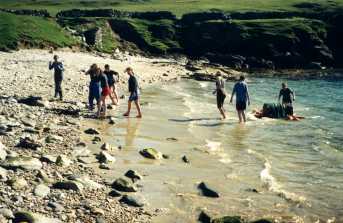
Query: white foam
[(272, 185)]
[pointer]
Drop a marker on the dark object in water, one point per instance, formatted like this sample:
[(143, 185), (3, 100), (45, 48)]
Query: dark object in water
[(272, 110), (206, 191), (185, 159)]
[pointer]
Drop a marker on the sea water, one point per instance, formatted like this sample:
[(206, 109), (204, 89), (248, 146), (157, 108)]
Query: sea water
[(296, 167)]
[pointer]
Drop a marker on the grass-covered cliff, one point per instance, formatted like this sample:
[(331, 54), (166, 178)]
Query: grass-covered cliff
[(257, 34)]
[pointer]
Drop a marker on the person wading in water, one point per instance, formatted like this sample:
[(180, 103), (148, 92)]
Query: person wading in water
[(58, 76), (113, 78), (242, 98), (221, 94), (134, 93)]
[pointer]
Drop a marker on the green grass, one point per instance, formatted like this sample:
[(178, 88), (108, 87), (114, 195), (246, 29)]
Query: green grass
[(179, 7), (33, 30), (285, 27), (160, 43)]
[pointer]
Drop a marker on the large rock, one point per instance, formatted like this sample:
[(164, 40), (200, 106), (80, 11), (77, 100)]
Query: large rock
[(69, 185), (151, 153), (124, 185), (207, 191), (105, 157), (22, 162), (29, 217), (3, 152), (41, 190), (133, 200)]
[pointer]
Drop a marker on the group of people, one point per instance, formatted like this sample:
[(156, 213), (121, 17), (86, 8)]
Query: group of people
[(241, 92), (103, 84)]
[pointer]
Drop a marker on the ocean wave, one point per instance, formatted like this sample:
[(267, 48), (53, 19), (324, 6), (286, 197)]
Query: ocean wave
[(272, 185)]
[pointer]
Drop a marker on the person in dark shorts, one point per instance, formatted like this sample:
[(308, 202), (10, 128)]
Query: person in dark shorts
[(221, 94), (134, 93), (113, 78), (58, 76), (242, 98), (94, 86), (288, 97), (105, 91)]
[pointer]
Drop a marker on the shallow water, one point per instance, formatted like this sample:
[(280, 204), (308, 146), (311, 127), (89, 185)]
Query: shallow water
[(297, 167)]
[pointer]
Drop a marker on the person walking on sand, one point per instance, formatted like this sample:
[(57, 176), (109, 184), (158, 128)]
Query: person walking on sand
[(288, 97), (113, 78), (242, 98), (58, 76), (94, 86), (134, 93), (105, 91), (221, 94)]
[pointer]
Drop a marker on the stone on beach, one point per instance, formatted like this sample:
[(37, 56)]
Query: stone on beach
[(134, 200), (123, 185), (207, 191), (22, 162), (69, 185), (63, 161), (105, 157), (133, 175), (92, 131), (41, 190), (3, 152), (151, 153), (29, 217)]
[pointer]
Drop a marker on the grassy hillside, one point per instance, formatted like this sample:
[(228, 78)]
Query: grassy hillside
[(178, 7), (34, 31)]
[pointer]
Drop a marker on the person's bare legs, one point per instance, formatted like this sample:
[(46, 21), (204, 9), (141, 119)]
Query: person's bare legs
[(222, 112), (112, 99), (239, 112), (98, 103), (138, 106), (128, 109), (243, 116), (103, 105), (115, 94)]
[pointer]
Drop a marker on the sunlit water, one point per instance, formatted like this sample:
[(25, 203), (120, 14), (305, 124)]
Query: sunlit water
[(297, 167)]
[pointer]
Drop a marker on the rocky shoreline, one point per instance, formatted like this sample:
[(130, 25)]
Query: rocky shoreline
[(44, 172)]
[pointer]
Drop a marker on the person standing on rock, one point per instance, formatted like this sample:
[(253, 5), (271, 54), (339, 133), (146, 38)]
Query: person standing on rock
[(113, 78), (221, 94), (58, 76), (94, 86), (134, 93), (242, 98)]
